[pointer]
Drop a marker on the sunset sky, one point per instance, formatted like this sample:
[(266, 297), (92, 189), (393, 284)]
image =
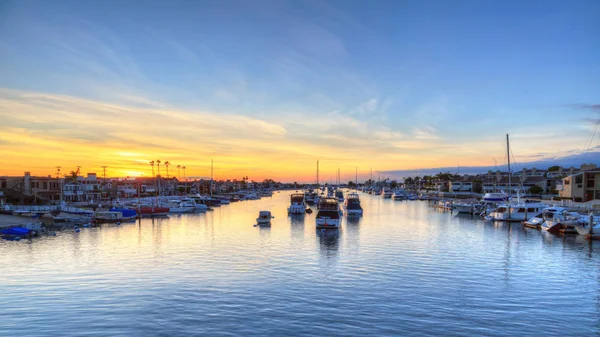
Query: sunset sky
[(268, 87)]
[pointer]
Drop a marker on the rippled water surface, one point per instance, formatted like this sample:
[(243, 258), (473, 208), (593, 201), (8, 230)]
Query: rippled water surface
[(403, 268)]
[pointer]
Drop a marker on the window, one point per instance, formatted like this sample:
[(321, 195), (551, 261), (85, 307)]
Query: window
[(567, 181), (579, 179)]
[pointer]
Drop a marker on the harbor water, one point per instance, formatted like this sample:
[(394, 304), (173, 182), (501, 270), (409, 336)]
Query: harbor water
[(403, 268)]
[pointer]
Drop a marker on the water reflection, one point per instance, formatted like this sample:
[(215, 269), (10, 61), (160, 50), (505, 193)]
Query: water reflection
[(328, 242), (297, 225)]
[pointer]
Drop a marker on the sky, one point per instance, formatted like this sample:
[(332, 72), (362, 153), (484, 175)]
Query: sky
[(267, 88)]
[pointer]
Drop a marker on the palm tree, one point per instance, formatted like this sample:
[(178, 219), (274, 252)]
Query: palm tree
[(158, 165), (152, 163), (167, 165), (183, 167), (179, 172)]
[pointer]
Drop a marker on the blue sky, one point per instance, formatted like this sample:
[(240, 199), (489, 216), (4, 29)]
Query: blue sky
[(401, 80)]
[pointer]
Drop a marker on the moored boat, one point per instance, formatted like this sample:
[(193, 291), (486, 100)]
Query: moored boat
[(297, 204), (352, 204), (264, 218), (328, 215)]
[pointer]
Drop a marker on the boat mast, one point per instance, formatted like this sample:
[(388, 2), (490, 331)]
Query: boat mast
[(317, 173), (211, 176), (356, 178), (508, 157)]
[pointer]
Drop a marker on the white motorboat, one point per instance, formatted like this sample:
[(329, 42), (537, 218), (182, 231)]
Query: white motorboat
[(560, 220), (468, 206), (264, 218), (352, 204), (399, 194), (193, 201), (386, 194), (297, 204), (182, 207), (516, 211), (535, 221), (494, 198), (583, 228), (329, 213)]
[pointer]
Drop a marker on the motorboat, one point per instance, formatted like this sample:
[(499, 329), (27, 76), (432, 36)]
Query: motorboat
[(560, 220), (329, 213), (297, 205), (515, 211), (111, 217), (264, 218), (386, 194), (352, 204), (399, 194), (151, 211), (339, 194), (535, 221), (199, 207), (583, 227), (182, 207), (468, 206)]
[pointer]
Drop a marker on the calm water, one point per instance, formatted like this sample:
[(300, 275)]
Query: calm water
[(403, 268)]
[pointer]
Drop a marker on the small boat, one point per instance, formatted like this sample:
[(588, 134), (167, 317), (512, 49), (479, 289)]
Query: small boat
[(297, 205), (110, 217), (399, 194), (386, 194), (339, 195), (151, 211), (17, 232), (560, 220), (470, 207), (183, 207), (329, 213), (583, 227), (535, 221), (264, 218), (352, 205)]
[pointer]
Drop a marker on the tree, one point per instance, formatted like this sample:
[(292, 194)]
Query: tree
[(553, 168), (535, 189), (408, 181), (351, 184), (393, 184)]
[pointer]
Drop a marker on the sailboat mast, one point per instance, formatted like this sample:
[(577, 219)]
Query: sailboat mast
[(508, 157), (356, 178), (317, 173), (211, 177)]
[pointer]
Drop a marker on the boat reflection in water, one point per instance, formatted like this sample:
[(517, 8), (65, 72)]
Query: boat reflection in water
[(329, 241)]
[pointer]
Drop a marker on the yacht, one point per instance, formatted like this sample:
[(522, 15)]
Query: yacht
[(516, 211), (495, 197), (328, 215), (297, 205), (386, 194), (352, 204)]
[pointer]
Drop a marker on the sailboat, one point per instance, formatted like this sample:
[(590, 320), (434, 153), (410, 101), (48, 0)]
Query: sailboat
[(518, 211)]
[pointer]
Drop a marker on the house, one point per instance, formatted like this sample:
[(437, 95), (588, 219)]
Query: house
[(583, 186)]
